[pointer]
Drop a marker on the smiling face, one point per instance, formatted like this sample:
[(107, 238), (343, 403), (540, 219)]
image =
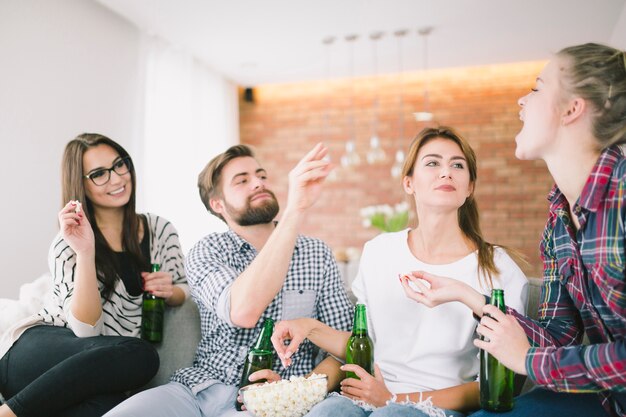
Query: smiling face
[(117, 191), (440, 176), (541, 114), (244, 199)]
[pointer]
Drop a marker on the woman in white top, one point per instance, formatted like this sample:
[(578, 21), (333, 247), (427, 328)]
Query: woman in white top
[(426, 363), (60, 361)]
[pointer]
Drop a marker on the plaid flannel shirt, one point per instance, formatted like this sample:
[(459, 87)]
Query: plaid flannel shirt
[(312, 288), (584, 291)]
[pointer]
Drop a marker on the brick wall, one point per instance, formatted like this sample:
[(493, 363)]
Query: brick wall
[(286, 120)]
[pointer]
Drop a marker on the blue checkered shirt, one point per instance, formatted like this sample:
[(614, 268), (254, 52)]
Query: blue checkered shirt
[(312, 288)]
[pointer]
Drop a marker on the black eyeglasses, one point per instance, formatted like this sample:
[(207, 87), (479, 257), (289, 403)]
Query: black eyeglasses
[(103, 175)]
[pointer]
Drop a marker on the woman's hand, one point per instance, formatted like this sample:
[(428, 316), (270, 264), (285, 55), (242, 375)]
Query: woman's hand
[(507, 341), (158, 283), (76, 229), (440, 290), (369, 389), (292, 331)]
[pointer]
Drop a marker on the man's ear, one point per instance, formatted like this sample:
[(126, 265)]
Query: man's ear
[(217, 205), (573, 110)]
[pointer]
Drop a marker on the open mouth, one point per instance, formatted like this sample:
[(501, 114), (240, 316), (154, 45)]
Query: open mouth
[(118, 191)]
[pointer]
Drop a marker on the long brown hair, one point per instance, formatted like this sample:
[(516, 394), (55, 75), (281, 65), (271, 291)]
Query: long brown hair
[(73, 188), (468, 216)]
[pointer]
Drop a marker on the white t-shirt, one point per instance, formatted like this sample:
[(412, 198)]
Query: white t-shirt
[(416, 347)]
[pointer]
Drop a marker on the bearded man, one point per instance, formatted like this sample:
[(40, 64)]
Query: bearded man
[(256, 270)]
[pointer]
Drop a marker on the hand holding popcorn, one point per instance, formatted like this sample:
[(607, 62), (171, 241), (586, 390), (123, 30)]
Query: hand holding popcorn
[(76, 229)]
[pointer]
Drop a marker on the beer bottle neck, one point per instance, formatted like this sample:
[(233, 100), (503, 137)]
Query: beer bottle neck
[(497, 299), (359, 326), (264, 341)]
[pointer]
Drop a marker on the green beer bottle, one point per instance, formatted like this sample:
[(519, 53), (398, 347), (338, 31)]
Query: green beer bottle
[(260, 356), (496, 380), (360, 348), (152, 312)]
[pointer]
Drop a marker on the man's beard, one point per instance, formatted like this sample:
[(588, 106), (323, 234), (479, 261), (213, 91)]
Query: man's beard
[(250, 216)]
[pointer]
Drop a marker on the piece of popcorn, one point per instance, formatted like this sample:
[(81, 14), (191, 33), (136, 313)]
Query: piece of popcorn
[(78, 207)]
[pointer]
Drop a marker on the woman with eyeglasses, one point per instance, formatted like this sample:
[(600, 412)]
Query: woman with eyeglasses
[(61, 361)]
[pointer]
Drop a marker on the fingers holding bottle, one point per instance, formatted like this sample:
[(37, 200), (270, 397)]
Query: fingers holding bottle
[(158, 283)]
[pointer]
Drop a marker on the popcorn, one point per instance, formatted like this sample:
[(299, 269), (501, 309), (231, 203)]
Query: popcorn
[(78, 207), (285, 398)]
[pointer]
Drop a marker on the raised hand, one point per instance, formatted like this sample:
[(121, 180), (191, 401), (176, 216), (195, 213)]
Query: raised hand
[(370, 389), (306, 178), (76, 229)]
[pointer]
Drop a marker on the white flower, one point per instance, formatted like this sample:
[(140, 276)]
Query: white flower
[(400, 207), (368, 211), (385, 217), (386, 210)]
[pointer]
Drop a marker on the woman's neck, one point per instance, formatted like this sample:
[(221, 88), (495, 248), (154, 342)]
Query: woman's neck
[(438, 239), (570, 166), (111, 225)]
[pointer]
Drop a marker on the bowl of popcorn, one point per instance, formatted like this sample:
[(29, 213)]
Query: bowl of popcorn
[(292, 397)]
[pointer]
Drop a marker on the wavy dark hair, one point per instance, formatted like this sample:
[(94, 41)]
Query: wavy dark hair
[(73, 188), (468, 215)]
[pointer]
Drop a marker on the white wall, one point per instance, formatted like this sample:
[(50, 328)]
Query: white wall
[(190, 115), (66, 66), (618, 38)]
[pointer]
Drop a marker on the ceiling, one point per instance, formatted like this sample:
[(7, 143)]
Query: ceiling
[(254, 42)]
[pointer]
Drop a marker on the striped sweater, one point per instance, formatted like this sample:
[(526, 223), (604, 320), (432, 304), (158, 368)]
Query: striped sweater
[(121, 315)]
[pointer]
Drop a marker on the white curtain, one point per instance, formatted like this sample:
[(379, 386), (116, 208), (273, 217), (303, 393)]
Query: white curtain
[(190, 115)]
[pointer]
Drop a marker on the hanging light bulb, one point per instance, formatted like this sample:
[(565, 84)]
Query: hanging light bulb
[(375, 154), (351, 158), (396, 168), (426, 115), (328, 41)]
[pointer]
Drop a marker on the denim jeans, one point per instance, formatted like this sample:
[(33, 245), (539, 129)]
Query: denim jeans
[(176, 400), (543, 403), (336, 406), (51, 372)]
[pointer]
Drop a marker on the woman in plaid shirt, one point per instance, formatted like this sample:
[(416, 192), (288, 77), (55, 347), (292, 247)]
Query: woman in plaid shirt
[(575, 120)]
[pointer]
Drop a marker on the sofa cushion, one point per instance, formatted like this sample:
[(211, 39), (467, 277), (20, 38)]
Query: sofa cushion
[(181, 335)]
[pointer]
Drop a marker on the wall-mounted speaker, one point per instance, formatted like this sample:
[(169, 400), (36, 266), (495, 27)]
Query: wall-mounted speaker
[(248, 95)]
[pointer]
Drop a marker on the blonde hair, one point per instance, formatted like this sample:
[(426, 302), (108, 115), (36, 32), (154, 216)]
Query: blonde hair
[(597, 73)]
